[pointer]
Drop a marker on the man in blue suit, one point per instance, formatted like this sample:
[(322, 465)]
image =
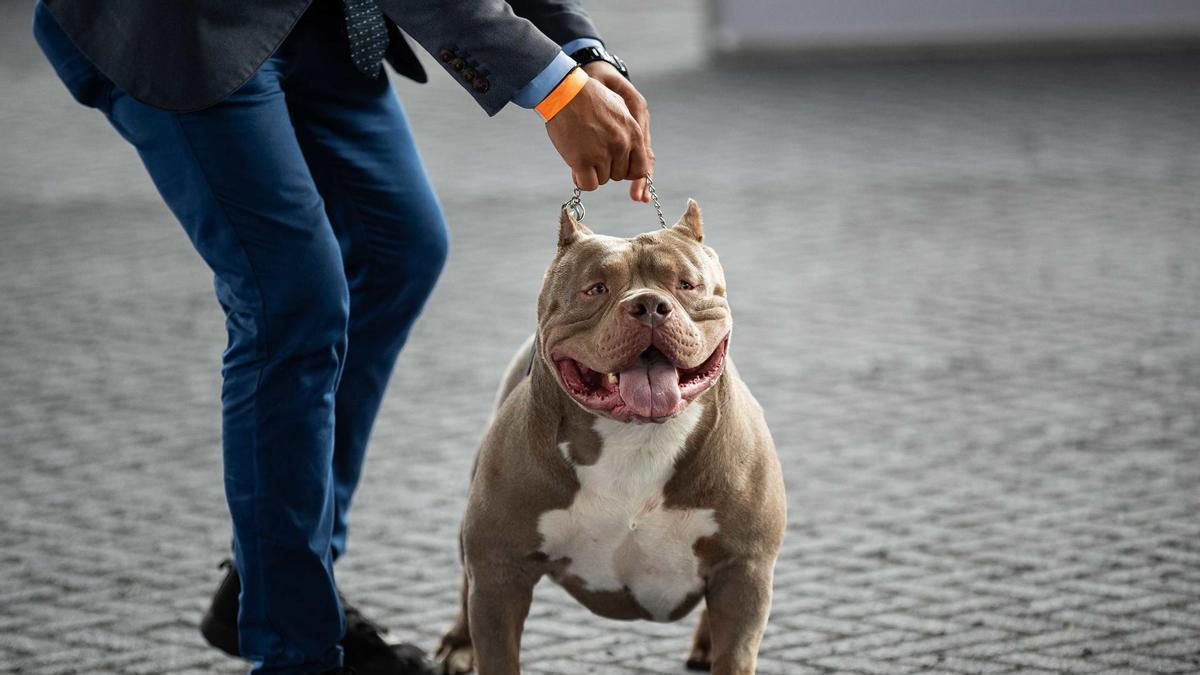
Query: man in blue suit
[(274, 139)]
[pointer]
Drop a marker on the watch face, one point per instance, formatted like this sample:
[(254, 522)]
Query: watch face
[(589, 54)]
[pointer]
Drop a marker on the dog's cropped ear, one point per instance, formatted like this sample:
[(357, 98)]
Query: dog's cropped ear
[(689, 224), (569, 229)]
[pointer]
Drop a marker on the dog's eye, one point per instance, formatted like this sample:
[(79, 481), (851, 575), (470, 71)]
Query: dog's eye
[(596, 289), (686, 285)]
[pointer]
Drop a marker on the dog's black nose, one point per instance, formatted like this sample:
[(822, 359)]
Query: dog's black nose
[(650, 308)]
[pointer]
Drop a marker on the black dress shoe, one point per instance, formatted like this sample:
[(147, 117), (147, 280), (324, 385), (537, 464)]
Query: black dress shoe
[(369, 651), (219, 624), (366, 647)]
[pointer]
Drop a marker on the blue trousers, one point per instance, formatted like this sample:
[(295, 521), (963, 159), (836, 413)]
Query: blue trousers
[(305, 194)]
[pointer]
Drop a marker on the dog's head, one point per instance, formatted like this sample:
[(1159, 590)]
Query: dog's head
[(635, 329)]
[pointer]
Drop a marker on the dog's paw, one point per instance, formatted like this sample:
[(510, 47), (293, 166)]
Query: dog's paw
[(699, 659), (455, 655), (456, 660)]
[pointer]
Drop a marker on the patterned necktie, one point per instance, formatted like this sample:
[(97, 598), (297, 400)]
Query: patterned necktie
[(368, 35)]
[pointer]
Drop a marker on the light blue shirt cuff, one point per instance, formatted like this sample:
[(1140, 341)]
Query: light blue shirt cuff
[(544, 82)]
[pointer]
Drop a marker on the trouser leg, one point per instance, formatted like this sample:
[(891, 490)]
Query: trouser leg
[(234, 176), (236, 179), (361, 153)]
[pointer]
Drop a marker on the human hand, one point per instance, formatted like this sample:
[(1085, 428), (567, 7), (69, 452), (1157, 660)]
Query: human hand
[(614, 80), (598, 138)]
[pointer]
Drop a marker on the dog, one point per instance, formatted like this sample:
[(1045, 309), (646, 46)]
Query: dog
[(625, 459)]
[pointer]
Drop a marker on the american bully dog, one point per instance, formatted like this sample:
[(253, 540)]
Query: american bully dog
[(626, 459)]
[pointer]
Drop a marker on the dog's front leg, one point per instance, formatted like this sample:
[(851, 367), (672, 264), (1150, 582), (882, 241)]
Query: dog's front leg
[(738, 600), (497, 604)]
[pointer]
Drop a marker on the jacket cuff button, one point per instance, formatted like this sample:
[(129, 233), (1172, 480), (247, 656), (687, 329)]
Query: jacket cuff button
[(458, 64), (446, 55), (482, 85), (469, 74)]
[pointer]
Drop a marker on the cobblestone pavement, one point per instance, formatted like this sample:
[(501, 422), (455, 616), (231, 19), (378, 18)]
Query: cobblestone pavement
[(967, 295)]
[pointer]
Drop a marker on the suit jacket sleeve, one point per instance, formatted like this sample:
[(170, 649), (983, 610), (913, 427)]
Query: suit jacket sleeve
[(489, 50), (561, 20), (486, 47)]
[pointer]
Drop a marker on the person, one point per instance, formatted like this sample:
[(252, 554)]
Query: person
[(274, 139)]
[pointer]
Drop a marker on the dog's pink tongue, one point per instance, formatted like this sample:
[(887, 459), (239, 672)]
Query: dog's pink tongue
[(651, 390)]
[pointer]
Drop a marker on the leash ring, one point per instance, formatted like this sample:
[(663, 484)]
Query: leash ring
[(574, 205)]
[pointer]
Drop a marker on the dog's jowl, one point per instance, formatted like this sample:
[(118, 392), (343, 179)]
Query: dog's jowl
[(627, 460)]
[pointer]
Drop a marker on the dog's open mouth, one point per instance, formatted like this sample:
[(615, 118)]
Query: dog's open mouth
[(651, 389)]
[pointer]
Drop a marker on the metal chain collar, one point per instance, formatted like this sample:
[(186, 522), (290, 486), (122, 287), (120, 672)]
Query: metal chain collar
[(574, 205)]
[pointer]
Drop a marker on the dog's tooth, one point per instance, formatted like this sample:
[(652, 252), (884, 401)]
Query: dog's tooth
[(613, 378)]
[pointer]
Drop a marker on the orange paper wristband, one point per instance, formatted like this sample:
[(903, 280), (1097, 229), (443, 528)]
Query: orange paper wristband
[(566, 90)]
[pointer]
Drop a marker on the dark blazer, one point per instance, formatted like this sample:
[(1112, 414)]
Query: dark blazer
[(186, 55)]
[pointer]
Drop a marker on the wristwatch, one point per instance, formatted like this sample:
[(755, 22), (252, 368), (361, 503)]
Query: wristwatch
[(589, 54)]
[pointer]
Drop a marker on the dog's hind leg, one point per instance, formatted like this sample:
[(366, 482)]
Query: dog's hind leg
[(700, 657)]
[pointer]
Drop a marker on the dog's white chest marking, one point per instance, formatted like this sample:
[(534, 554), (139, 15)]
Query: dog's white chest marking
[(617, 533)]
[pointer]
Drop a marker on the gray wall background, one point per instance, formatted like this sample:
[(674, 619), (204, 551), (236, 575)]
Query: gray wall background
[(824, 24)]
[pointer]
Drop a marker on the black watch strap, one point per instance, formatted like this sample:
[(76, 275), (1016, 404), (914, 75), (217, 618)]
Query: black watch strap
[(593, 53)]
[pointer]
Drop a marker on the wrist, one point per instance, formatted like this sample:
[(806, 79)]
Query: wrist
[(602, 70), (564, 93)]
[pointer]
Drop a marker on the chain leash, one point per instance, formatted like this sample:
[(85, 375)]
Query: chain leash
[(574, 205), (654, 198)]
